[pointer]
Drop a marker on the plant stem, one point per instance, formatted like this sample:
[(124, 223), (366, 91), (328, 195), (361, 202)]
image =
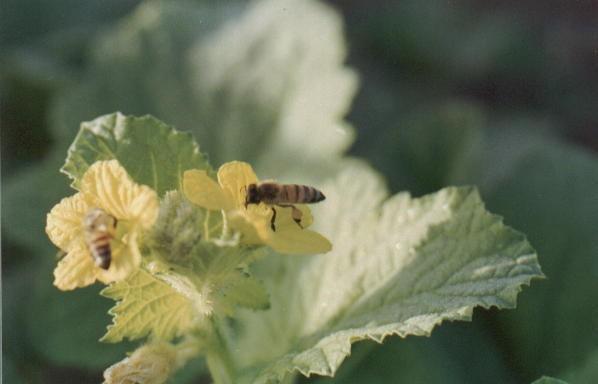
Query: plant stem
[(218, 358)]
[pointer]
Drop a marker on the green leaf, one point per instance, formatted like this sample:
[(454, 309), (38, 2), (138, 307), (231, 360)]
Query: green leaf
[(399, 266), (182, 235), (147, 306), (549, 380), (153, 153), (274, 80), (269, 87), (222, 271), (242, 289)]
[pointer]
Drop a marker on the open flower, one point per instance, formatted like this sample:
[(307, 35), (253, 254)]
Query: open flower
[(253, 221), (107, 186)]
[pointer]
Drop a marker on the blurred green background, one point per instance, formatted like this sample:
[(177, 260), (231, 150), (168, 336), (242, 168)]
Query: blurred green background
[(503, 95)]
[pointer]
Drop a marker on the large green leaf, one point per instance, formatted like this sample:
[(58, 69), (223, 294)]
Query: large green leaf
[(153, 153), (547, 190), (274, 83), (399, 266), (269, 88)]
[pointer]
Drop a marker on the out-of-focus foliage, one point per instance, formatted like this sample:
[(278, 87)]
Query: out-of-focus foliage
[(549, 380), (487, 92)]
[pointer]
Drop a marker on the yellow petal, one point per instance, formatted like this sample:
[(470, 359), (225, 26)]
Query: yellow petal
[(284, 217), (202, 190), (126, 259), (234, 177), (289, 237), (64, 223), (239, 220), (75, 270), (298, 242), (111, 188)]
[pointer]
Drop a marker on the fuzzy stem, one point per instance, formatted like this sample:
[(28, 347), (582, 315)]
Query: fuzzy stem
[(206, 230), (218, 358)]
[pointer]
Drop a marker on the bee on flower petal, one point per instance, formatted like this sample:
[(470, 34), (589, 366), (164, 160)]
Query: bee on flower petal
[(99, 227), (284, 196)]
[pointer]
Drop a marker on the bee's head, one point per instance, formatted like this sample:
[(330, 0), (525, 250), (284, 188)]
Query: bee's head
[(252, 196)]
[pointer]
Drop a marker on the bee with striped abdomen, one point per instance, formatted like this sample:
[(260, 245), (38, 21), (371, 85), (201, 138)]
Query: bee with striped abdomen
[(99, 229), (284, 196)]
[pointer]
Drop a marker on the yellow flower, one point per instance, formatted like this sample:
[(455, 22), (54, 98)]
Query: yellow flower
[(252, 221), (107, 186)]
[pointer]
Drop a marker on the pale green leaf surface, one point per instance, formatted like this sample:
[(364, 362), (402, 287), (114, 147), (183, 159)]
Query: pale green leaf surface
[(147, 306), (399, 266), (242, 289), (153, 153), (222, 271), (274, 84), (269, 87)]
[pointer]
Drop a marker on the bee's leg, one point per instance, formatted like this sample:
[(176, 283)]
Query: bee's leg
[(296, 213), (273, 219)]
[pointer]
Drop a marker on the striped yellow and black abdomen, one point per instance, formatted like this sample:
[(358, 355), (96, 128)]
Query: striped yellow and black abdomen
[(99, 229), (99, 246), (302, 194)]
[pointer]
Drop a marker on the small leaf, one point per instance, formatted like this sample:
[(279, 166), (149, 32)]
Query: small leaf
[(153, 153), (400, 266), (147, 306)]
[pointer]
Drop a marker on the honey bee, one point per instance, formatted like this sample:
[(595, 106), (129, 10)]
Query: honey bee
[(284, 196), (99, 229)]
